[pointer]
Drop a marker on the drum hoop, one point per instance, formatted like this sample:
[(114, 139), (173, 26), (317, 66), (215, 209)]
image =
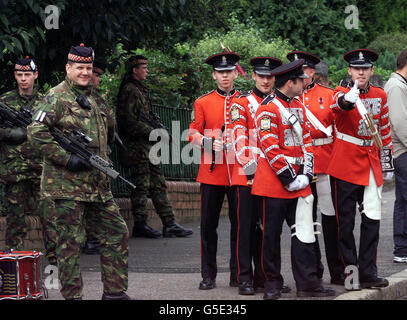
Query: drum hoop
[(19, 297), (15, 257)]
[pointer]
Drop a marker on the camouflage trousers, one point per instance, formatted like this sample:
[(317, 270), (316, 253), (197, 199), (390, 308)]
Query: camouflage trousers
[(3, 206), (22, 199), (102, 220), (149, 181)]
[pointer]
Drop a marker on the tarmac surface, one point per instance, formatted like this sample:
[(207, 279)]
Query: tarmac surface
[(169, 268)]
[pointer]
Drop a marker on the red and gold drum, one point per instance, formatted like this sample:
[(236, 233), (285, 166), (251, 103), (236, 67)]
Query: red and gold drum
[(20, 275)]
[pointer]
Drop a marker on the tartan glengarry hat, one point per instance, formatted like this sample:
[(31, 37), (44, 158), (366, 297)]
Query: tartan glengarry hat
[(25, 64), (362, 58), (264, 65), (291, 70), (81, 54), (223, 61), (310, 60)]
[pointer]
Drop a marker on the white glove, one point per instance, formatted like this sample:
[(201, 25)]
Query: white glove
[(353, 94), (304, 181), (387, 176), (217, 145), (300, 182)]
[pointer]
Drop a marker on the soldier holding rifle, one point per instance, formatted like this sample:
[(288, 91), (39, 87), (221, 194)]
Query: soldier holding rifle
[(21, 163), (80, 192), (135, 120)]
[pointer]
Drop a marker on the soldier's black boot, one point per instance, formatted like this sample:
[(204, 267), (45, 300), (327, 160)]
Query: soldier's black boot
[(116, 296), (173, 229), (143, 230), (374, 282)]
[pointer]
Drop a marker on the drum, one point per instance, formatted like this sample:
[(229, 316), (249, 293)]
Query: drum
[(20, 275)]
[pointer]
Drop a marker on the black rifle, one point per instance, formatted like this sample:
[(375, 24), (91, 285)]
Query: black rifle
[(153, 120), (77, 143), (13, 118)]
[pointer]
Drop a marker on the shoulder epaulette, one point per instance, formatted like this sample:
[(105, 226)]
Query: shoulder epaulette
[(268, 99), (344, 83), (205, 94), (372, 85), (244, 94)]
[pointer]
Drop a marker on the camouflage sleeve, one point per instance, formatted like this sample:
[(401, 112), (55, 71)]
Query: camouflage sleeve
[(132, 105), (46, 115)]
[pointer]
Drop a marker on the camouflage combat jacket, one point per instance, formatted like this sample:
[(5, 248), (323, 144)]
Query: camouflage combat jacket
[(19, 162), (110, 115), (133, 103), (59, 109)]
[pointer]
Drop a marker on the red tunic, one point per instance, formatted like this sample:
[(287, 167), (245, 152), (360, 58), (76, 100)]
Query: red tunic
[(278, 142), (210, 113), (318, 100), (244, 138), (351, 162)]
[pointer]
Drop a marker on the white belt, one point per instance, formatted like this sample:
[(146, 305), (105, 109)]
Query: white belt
[(322, 141), (354, 140)]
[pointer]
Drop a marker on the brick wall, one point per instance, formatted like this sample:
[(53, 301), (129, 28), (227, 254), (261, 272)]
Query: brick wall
[(184, 198)]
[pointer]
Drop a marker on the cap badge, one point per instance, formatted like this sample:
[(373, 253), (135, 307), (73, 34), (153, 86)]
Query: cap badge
[(223, 59), (295, 56), (267, 63), (32, 65), (361, 57)]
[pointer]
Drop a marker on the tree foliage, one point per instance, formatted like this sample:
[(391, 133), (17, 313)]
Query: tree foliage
[(100, 24), (382, 17)]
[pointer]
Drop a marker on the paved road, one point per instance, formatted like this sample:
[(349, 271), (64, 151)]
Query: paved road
[(169, 269)]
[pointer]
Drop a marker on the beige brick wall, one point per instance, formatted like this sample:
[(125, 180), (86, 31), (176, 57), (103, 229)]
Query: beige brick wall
[(184, 198)]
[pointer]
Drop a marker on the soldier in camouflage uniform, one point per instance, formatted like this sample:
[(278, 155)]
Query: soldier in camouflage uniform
[(80, 192), (21, 165), (133, 110), (92, 244)]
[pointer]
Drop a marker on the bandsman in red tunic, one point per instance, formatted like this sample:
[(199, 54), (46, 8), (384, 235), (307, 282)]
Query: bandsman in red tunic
[(210, 129), (317, 100), (361, 157), (244, 143), (282, 178)]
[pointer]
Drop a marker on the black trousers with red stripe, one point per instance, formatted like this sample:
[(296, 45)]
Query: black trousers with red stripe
[(346, 196), (303, 258), (212, 198), (249, 236)]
